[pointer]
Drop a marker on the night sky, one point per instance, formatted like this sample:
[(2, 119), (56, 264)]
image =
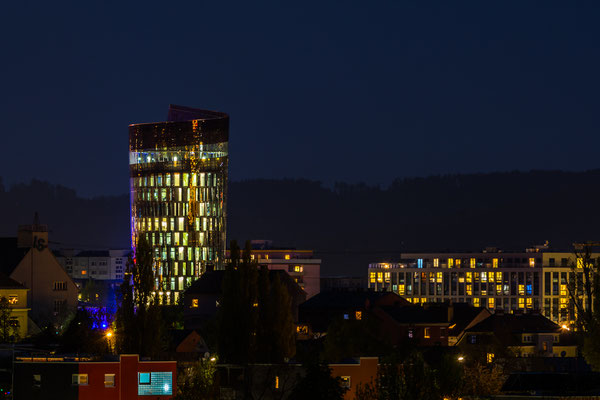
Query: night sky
[(332, 91)]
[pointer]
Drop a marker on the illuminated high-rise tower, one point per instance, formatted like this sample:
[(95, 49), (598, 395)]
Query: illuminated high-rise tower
[(178, 171)]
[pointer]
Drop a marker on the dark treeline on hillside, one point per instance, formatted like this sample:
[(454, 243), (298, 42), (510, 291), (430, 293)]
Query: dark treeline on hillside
[(354, 224)]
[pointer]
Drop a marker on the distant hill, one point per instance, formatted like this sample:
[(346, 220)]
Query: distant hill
[(351, 225)]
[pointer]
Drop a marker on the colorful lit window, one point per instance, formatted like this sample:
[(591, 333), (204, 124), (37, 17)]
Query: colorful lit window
[(494, 263), (521, 290), (194, 303), (439, 277), (529, 302), (436, 262), (401, 290), (358, 315), (490, 358), (287, 257), (388, 277), (469, 277), (491, 303), (484, 277), (426, 333), (476, 301), (491, 277), (469, 290), (521, 302), (380, 277), (457, 262), (372, 277), (532, 262), (472, 263), (450, 263)]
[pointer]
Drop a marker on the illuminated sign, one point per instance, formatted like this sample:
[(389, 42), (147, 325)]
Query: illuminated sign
[(155, 383)]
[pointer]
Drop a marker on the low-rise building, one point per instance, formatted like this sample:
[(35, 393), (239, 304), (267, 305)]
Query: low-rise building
[(52, 294), (16, 294), (61, 378), (94, 264)]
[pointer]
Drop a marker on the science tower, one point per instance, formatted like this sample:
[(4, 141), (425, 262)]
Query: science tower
[(178, 182)]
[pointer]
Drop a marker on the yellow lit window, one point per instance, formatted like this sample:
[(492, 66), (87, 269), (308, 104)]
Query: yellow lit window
[(423, 300), (494, 263), (457, 262), (521, 302), (450, 263), (266, 256), (180, 223), (484, 277), (469, 277), (472, 263), (529, 302), (14, 299), (436, 262), (490, 357), (401, 290), (388, 277), (563, 303), (532, 262), (298, 268), (276, 382), (521, 290), (491, 277), (426, 333), (358, 315), (176, 179), (380, 277), (579, 262), (83, 272), (461, 279), (416, 300), (499, 288), (476, 301), (372, 277), (287, 257), (563, 290), (491, 303), (439, 277), (163, 224), (499, 276), (194, 303), (469, 290)]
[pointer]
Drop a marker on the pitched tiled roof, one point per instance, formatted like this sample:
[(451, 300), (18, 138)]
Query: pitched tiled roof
[(515, 323), (345, 299), (8, 283)]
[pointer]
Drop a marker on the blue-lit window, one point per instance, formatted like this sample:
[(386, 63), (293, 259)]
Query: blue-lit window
[(529, 289), (145, 378), (420, 263)]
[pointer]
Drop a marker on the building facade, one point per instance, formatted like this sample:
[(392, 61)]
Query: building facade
[(94, 264), (178, 176), (301, 265), (536, 279)]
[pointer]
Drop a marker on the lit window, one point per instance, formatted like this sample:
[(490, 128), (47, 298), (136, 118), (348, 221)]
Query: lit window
[(469, 277), (144, 378), (345, 381), (420, 263), (529, 302), (469, 290), (79, 379), (358, 315), (380, 277), (436, 262), (521, 302), (298, 268), (450, 263), (521, 290), (388, 277), (439, 277), (109, 380), (410, 333), (83, 272), (423, 300), (476, 301), (484, 277), (13, 299), (491, 277), (287, 257), (532, 262), (490, 357), (563, 290), (491, 302), (457, 262), (194, 303), (579, 262), (499, 288), (472, 263), (426, 333), (276, 382), (563, 303), (372, 277), (494, 263), (401, 290)]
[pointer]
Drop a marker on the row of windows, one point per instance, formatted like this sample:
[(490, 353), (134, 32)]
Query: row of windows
[(180, 224), (202, 179), (199, 195)]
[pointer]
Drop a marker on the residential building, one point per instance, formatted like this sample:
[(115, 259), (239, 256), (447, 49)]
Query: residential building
[(52, 294), (343, 282), (301, 265), (361, 372), (178, 171), (201, 300), (317, 313), (94, 264), (517, 335), (16, 294), (535, 279), (64, 379)]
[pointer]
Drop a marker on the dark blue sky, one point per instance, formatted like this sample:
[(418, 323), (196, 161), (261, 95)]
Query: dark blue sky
[(347, 91)]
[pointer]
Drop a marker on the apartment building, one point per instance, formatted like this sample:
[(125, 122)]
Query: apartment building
[(535, 279)]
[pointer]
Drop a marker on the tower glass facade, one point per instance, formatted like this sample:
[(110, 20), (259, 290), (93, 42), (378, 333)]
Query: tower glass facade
[(178, 183)]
